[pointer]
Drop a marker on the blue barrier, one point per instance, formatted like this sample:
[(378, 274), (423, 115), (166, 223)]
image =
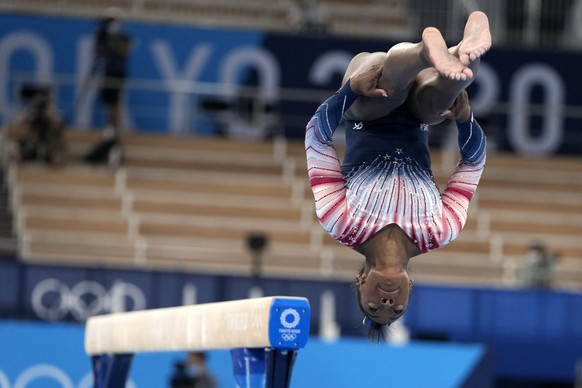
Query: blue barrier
[(522, 327)]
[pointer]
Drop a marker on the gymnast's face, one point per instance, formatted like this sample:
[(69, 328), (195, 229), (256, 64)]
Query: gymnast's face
[(384, 298)]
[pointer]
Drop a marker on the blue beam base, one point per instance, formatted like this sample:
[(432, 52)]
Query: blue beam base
[(111, 370), (262, 368)]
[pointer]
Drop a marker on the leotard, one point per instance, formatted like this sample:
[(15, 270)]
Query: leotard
[(386, 176)]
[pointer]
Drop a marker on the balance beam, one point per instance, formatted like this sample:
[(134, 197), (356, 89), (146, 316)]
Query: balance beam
[(278, 324)]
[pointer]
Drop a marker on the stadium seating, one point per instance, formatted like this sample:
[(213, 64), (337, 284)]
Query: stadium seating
[(385, 19), (190, 203)]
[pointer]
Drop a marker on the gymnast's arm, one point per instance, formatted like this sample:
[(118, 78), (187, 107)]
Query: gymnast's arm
[(323, 164), (464, 179)]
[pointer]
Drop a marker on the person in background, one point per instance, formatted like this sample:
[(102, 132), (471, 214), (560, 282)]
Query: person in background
[(38, 133), (539, 266), (112, 47), (193, 373)]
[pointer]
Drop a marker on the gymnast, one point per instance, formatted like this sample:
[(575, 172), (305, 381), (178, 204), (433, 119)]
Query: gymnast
[(382, 201)]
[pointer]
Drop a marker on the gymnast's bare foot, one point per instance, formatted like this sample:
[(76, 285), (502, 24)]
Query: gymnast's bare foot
[(476, 38), (437, 54)]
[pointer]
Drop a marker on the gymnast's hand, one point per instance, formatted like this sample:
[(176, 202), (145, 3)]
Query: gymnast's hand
[(366, 82), (461, 109)]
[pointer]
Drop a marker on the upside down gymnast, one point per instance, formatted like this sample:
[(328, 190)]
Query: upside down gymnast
[(382, 200)]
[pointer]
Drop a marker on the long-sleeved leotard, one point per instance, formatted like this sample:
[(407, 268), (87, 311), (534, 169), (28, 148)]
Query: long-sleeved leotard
[(386, 176)]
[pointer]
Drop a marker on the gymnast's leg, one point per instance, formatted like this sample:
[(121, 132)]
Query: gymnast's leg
[(432, 94), (401, 64)]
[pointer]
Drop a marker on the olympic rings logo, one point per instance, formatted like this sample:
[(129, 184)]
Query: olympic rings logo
[(288, 337), (43, 372), (294, 316), (52, 299)]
